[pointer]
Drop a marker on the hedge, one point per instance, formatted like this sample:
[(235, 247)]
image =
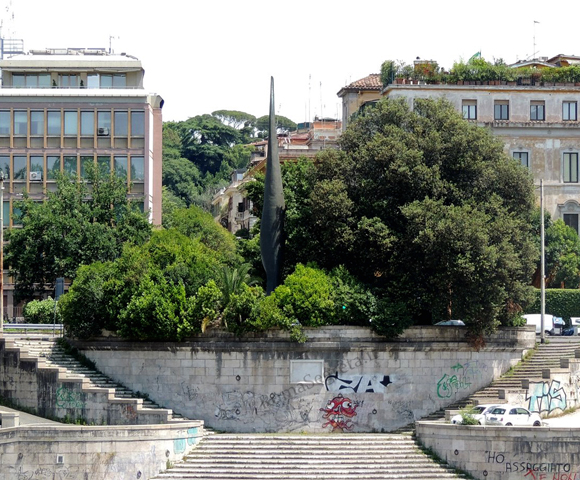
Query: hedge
[(560, 302)]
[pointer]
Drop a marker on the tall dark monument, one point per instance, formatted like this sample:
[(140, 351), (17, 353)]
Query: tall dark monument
[(272, 225)]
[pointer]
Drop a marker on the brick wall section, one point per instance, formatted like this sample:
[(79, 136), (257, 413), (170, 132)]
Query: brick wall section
[(342, 379)]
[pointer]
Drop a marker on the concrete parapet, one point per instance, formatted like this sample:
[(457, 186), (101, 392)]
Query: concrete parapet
[(505, 453), (95, 452)]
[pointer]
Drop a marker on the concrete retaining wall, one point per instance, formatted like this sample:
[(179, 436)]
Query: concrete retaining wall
[(342, 379), (504, 453), (29, 382), (73, 452)]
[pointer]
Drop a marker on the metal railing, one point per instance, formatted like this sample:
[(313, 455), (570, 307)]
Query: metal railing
[(57, 328)]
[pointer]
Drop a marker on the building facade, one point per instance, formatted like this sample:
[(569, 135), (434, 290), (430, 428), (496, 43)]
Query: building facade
[(62, 109), (538, 125)]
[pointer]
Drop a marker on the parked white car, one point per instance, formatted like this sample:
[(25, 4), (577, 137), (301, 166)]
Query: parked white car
[(478, 412), (510, 415)]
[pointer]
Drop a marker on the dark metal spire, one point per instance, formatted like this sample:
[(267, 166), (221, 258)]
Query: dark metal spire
[(272, 224)]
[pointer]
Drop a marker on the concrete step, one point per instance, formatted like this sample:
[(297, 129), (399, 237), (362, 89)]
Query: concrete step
[(292, 457)]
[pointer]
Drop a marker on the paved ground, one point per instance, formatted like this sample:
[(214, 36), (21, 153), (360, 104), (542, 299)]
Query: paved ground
[(27, 419)]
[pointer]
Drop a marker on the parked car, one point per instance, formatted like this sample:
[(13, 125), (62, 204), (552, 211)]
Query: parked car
[(509, 415), (452, 322), (478, 412), (552, 325)]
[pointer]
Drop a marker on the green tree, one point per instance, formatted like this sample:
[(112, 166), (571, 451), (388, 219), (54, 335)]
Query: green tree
[(562, 256), (283, 124), (235, 118), (423, 208), (82, 222)]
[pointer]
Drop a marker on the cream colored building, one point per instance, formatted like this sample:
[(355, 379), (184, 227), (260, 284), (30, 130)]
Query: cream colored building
[(539, 125)]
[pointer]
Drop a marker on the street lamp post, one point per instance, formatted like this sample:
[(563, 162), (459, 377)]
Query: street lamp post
[(1, 252), (542, 266)]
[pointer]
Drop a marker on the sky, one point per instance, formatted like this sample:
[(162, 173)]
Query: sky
[(208, 55)]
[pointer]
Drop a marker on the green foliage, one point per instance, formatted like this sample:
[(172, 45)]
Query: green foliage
[(283, 124), (424, 209), (388, 72), (146, 294), (306, 297), (195, 223), (235, 118), (75, 226), (559, 302), (467, 417), (42, 311), (562, 255)]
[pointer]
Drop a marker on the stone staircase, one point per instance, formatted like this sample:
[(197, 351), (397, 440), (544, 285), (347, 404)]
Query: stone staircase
[(545, 356), (296, 457), (49, 354)]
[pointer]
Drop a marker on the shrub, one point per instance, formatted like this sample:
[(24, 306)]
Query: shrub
[(560, 302), (42, 311), (467, 416)]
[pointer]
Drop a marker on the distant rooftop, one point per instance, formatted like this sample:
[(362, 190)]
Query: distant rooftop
[(371, 82)]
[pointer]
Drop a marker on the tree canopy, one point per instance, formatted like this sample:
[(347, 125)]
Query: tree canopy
[(82, 222), (425, 208)]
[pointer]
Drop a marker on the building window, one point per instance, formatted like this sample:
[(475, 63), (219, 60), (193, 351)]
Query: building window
[(98, 80), (121, 124), (470, 109), (36, 168), (70, 165), (87, 124), (501, 110), (52, 167), (68, 80), (20, 123), (5, 167), (70, 123), (569, 111), (570, 160), (53, 123), (537, 111), (571, 219), (121, 167), (4, 122), (523, 157), (85, 163), (36, 123), (103, 123), (104, 165), (19, 168), (137, 169), (29, 80), (137, 124)]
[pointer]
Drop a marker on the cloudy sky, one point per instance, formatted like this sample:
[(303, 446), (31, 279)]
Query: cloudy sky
[(207, 55)]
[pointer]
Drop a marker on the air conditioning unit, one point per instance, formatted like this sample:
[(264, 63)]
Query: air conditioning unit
[(103, 132), (35, 176)]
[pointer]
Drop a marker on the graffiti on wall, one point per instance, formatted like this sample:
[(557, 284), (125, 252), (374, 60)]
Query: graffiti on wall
[(284, 409), (338, 413), (546, 397), (373, 383), (67, 398), (533, 470), (460, 377)]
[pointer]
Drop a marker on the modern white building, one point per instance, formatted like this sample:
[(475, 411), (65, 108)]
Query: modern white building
[(61, 109)]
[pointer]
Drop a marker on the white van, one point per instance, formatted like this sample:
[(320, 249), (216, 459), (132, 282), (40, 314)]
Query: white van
[(552, 325)]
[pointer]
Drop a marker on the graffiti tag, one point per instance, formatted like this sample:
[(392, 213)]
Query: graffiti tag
[(357, 383), (544, 397), (338, 413)]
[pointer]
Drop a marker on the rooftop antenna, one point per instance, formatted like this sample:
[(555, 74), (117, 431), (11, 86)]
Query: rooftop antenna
[(534, 52), (111, 38), (309, 95)]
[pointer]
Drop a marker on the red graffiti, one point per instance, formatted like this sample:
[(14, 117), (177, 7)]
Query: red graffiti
[(338, 412)]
